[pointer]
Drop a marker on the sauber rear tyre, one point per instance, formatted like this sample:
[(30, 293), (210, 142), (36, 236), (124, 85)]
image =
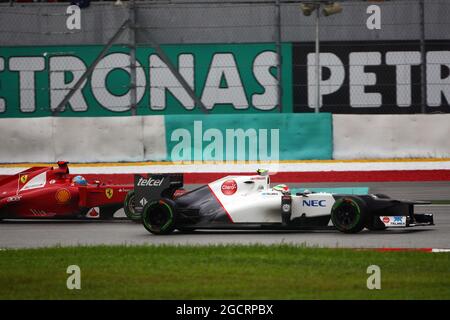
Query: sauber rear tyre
[(349, 214), (158, 216), (129, 207)]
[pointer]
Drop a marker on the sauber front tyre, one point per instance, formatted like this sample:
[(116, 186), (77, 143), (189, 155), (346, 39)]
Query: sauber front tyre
[(349, 214)]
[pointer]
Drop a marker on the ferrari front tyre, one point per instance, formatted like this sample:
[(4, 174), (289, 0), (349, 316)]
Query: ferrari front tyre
[(349, 214), (130, 208), (158, 216)]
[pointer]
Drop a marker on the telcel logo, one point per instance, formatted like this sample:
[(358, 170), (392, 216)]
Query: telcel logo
[(149, 182), (314, 203)]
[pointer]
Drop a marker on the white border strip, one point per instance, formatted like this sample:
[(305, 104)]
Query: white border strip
[(281, 167)]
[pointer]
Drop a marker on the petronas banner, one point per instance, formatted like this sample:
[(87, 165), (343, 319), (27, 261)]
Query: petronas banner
[(227, 78)]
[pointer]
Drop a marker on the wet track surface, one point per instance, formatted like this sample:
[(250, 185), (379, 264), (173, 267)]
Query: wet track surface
[(21, 234)]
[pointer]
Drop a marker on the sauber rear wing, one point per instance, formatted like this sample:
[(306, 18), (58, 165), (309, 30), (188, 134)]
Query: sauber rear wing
[(152, 187)]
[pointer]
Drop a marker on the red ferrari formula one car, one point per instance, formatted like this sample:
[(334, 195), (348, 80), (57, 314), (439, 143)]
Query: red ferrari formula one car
[(48, 192)]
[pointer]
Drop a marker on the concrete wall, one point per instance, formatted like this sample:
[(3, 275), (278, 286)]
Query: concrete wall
[(143, 138), (391, 136), (214, 22), (99, 139)]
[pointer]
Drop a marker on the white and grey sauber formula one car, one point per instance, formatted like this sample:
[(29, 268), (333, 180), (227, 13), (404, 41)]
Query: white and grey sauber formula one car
[(248, 202)]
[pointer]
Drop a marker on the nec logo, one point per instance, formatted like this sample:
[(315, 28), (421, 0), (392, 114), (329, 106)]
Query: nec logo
[(314, 203), (149, 182)]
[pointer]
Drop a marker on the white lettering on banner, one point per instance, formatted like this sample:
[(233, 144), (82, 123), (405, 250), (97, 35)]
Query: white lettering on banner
[(403, 61), (27, 66), (100, 89), (261, 69), (240, 144), (437, 86), (74, 20), (224, 68), (359, 79), (374, 20), (162, 80), (59, 88), (2, 101), (332, 84), (220, 82)]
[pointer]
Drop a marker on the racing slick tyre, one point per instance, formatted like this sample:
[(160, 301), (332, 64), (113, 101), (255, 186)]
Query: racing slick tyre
[(349, 214), (129, 207), (158, 216)]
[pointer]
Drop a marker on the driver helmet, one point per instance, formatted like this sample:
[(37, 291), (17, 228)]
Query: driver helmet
[(79, 180), (281, 187)]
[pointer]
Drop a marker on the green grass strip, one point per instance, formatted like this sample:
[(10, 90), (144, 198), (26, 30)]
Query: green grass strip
[(221, 272), (440, 201)]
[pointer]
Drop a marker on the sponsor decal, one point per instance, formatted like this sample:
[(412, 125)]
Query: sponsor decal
[(258, 178), (24, 178), (13, 199), (179, 193), (394, 221), (143, 202), (150, 182), (231, 77), (93, 213), (229, 187), (371, 77), (42, 213), (314, 203), (53, 181), (109, 192), (286, 208), (62, 196)]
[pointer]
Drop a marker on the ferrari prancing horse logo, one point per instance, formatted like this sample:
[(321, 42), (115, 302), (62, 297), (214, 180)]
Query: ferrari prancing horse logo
[(109, 193), (23, 178)]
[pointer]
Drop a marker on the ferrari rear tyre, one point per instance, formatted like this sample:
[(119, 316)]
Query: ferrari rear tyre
[(130, 208), (349, 214), (158, 216)]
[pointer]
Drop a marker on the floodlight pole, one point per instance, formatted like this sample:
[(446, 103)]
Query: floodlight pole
[(317, 59)]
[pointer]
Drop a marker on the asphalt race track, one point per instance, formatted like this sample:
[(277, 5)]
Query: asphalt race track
[(21, 234)]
